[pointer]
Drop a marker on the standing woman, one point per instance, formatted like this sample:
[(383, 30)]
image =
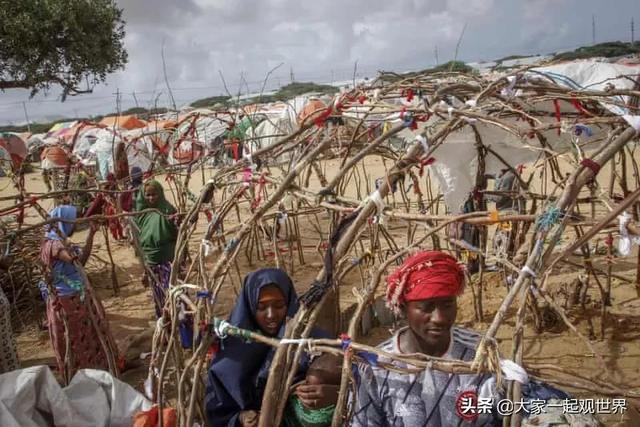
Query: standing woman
[(157, 234), (76, 318)]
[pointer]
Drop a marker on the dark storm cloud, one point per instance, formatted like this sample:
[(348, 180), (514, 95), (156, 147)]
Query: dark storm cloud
[(321, 41)]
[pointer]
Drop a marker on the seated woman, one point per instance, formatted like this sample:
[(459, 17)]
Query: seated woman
[(74, 313), (239, 371)]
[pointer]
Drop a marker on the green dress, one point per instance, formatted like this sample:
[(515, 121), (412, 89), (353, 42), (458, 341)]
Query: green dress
[(297, 415)]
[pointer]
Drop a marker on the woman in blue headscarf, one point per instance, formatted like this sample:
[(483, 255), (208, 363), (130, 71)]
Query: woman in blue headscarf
[(239, 371), (74, 313)]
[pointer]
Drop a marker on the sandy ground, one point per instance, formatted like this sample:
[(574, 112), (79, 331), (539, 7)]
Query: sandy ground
[(131, 312)]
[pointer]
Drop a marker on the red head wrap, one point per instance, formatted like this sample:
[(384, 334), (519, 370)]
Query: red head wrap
[(424, 275)]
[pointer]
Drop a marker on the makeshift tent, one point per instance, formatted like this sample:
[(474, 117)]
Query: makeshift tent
[(193, 137), (140, 150), (15, 146), (158, 125), (59, 126), (123, 122), (35, 141), (85, 140), (109, 145), (54, 156), (5, 162), (267, 133), (248, 122), (311, 109)]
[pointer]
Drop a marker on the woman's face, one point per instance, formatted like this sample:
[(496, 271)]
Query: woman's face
[(151, 195), (271, 310)]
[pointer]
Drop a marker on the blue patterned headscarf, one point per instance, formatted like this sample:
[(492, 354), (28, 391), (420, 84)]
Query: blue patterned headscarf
[(65, 229)]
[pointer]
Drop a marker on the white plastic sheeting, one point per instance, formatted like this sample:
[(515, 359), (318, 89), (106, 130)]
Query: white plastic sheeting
[(268, 132), (593, 75), (85, 140), (32, 397), (456, 159), (205, 132), (139, 151)]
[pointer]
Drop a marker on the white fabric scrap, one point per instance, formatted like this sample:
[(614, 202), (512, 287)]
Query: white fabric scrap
[(423, 141), (508, 91), (207, 246), (376, 198), (624, 244), (633, 121), (513, 372), (294, 341), (221, 329)]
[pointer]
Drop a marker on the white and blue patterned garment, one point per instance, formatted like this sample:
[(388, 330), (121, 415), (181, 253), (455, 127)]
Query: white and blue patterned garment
[(427, 399)]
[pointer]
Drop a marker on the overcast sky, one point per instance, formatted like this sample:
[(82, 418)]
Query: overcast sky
[(318, 40)]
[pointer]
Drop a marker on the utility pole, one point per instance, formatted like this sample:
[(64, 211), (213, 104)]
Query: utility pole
[(593, 29), (436, 54), (26, 116), (291, 74)]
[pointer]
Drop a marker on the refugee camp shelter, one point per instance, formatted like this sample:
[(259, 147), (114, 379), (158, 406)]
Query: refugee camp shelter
[(123, 122)]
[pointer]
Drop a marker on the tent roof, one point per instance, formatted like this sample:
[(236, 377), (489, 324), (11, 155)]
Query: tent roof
[(125, 122), (61, 125)]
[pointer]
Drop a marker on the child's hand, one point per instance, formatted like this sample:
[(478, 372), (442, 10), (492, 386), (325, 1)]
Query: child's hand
[(317, 396), (249, 418)]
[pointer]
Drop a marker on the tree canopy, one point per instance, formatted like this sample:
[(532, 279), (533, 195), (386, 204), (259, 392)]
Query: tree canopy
[(71, 43)]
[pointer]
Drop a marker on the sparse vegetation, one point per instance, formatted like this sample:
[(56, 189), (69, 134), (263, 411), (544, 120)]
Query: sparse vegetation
[(210, 101), (284, 93), (606, 50), (451, 66)]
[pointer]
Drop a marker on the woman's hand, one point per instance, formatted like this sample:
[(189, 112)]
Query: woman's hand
[(249, 418), (317, 396)]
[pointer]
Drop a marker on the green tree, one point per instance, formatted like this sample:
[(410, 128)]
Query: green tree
[(71, 43)]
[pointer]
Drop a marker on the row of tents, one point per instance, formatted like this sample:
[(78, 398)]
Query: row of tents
[(177, 138), (185, 138)]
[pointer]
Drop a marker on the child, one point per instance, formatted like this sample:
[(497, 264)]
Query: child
[(314, 400)]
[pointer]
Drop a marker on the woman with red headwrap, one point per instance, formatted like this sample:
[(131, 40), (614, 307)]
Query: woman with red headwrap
[(424, 289)]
